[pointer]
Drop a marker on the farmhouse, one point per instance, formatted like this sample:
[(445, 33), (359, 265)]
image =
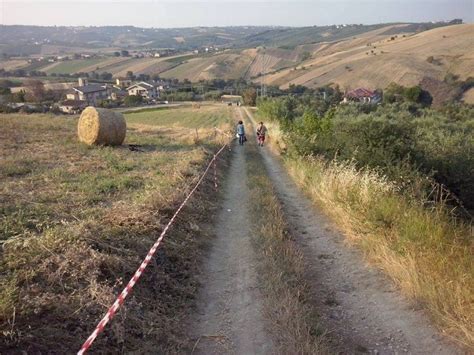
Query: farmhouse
[(146, 90), (89, 93), (362, 95), (72, 106), (232, 99)]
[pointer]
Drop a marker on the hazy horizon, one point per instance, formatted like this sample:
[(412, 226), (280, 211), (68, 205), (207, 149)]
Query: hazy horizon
[(196, 13)]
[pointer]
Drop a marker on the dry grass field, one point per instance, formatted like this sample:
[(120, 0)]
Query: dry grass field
[(76, 66), (13, 64), (75, 221), (374, 59), (468, 97), (223, 66)]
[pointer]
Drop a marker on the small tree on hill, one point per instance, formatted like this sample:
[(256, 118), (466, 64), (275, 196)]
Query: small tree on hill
[(250, 96), (106, 76), (133, 100), (5, 91), (412, 94), (36, 91)]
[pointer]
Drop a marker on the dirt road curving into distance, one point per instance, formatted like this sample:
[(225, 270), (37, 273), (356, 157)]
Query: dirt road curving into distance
[(229, 316)]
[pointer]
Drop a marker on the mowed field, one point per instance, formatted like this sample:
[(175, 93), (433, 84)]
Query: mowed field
[(139, 66), (82, 65), (75, 222), (376, 59), (13, 64), (203, 118), (222, 66), (118, 66)]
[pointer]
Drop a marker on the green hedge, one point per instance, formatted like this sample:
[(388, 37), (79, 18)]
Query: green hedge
[(406, 142)]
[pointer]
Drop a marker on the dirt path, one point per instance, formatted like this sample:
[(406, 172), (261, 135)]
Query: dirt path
[(358, 306), (229, 312)]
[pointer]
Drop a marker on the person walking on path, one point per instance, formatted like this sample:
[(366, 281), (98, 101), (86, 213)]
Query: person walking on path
[(241, 133), (261, 132)]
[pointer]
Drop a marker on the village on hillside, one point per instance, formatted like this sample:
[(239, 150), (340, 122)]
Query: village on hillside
[(126, 92)]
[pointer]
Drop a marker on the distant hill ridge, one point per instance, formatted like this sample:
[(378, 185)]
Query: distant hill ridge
[(24, 40)]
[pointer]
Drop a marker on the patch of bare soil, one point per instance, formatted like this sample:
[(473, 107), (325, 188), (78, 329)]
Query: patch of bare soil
[(229, 315), (357, 305)]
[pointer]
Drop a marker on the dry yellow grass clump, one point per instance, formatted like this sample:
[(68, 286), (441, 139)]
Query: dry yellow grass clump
[(424, 250), (100, 126)]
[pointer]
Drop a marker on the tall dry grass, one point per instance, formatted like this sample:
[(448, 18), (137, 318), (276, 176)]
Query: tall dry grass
[(427, 253)]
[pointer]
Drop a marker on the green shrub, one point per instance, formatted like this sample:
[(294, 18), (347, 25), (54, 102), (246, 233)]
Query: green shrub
[(406, 142), (133, 100)]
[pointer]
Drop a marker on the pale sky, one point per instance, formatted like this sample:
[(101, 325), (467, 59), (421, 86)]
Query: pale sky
[(187, 13)]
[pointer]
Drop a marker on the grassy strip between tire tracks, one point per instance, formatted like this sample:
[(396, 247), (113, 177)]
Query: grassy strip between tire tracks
[(281, 269)]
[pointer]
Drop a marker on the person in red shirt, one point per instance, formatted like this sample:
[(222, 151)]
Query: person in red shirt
[(261, 132)]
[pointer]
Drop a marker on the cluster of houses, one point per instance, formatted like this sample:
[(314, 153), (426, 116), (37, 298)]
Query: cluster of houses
[(136, 54), (60, 58), (362, 95), (165, 52), (85, 94), (209, 49)]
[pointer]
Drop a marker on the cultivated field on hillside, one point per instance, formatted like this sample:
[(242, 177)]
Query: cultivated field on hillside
[(82, 65), (375, 59), (222, 66), (118, 66), (13, 64), (76, 221), (139, 66)]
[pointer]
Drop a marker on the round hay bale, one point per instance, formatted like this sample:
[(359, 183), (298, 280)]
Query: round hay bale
[(101, 126)]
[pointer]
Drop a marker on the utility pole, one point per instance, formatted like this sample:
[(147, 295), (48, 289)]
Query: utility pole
[(262, 81)]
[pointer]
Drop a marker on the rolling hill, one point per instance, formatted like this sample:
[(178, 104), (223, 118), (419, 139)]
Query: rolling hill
[(351, 56), (375, 59)]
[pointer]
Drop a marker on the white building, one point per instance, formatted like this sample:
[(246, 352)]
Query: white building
[(146, 90)]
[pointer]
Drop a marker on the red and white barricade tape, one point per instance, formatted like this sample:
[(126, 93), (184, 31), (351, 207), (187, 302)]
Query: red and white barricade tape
[(125, 292)]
